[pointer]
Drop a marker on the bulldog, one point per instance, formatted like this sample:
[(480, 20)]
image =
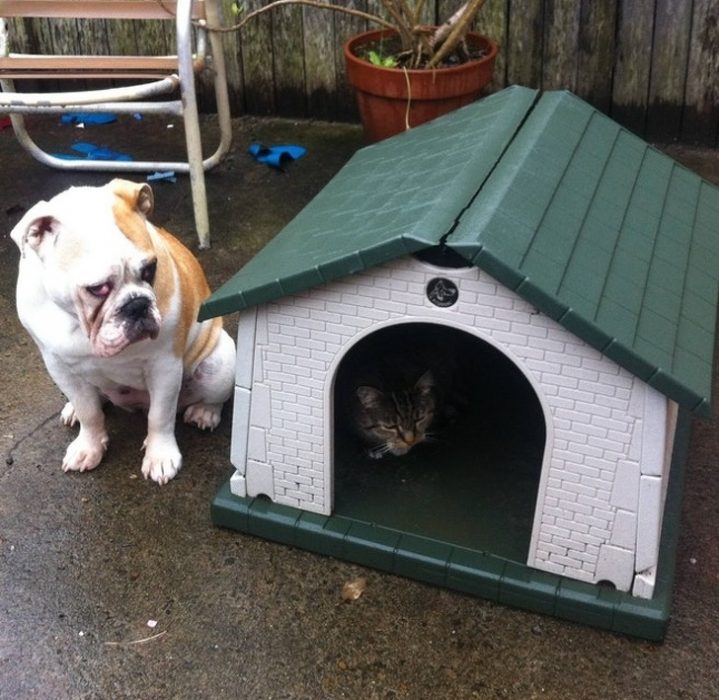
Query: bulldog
[(111, 302)]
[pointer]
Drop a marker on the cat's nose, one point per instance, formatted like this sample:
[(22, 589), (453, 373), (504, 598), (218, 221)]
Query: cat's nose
[(410, 438)]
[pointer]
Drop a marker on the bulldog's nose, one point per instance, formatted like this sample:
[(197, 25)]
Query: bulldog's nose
[(136, 307)]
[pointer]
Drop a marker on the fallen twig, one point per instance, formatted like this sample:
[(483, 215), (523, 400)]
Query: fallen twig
[(137, 641)]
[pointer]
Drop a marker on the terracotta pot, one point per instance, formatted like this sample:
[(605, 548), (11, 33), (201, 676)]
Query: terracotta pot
[(391, 99)]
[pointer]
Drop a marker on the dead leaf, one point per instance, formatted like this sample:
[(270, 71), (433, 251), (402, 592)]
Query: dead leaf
[(352, 590)]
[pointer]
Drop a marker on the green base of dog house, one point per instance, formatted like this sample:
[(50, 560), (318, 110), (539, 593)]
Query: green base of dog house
[(467, 570)]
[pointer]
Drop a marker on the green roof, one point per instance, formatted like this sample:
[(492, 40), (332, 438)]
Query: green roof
[(397, 197), (603, 233)]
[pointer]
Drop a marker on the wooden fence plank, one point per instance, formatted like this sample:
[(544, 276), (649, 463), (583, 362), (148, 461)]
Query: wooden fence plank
[(524, 45), (561, 44), (701, 114), (374, 7), (670, 54), (288, 61), (122, 37), (155, 36), (17, 34), (256, 47), (596, 52), (632, 68), (64, 35), (493, 21), (232, 50), (92, 36), (20, 39), (92, 39), (60, 35), (321, 73), (346, 26)]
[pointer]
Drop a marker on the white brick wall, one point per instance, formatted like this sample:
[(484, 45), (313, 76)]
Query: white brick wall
[(605, 464)]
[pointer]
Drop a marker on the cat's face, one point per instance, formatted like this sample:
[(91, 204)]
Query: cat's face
[(396, 421)]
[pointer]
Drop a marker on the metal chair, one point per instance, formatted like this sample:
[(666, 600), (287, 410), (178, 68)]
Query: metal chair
[(153, 77)]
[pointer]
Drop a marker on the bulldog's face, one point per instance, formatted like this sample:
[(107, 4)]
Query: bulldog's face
[(98, 261)]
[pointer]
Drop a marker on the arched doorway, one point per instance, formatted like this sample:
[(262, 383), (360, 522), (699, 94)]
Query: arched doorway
[(474, 483)]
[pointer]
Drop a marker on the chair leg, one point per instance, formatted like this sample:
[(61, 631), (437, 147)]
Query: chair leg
[(222, 98), (192, 123), (21, 134), (197, 175), (23, 138)]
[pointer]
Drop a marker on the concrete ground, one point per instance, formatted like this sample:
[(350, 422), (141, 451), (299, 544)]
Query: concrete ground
[(86, 560)]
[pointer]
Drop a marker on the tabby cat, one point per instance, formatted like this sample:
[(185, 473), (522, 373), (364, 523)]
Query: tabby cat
[(394, 421), (394, 389)]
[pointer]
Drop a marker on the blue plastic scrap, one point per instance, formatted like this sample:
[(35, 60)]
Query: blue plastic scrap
[(167, 176), (88, 118), (276, 156), (90, 151)]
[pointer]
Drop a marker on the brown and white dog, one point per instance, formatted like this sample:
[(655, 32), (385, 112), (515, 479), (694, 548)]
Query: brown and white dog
[(111, 302)]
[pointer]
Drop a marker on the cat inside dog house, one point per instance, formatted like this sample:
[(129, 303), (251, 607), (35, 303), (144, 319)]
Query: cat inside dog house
[(544, 283), (476, 430)]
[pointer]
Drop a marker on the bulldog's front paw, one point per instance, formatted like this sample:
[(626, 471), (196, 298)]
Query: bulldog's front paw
[(84, 453), (161, 462), (206, 416), (68, 416)]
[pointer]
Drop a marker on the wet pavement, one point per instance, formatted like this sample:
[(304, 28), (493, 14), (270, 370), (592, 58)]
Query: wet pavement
[(87, 560)]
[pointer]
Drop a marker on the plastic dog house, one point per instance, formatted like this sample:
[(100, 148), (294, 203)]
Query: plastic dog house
[(580, 264)]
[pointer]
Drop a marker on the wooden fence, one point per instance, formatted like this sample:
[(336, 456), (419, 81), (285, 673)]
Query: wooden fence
[(652, 65)]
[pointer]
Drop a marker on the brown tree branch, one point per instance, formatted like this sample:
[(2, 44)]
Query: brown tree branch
[(412, 35), (394, 9), (311, 3), (458, 32), (442, 32)]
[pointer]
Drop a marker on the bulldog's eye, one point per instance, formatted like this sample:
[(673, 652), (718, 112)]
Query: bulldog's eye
[(148, 272), (100, 290)]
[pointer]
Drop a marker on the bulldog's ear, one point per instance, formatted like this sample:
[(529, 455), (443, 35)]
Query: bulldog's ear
[(137, 194), (35, 228)]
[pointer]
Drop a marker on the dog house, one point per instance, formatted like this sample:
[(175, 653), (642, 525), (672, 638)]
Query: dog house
[(576, 267)]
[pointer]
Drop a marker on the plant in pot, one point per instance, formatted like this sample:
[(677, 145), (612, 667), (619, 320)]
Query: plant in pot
[(406, 73), (409, 74)]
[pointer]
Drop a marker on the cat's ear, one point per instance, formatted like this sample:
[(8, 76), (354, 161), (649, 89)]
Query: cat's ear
[(368, 396), (425, 383)]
